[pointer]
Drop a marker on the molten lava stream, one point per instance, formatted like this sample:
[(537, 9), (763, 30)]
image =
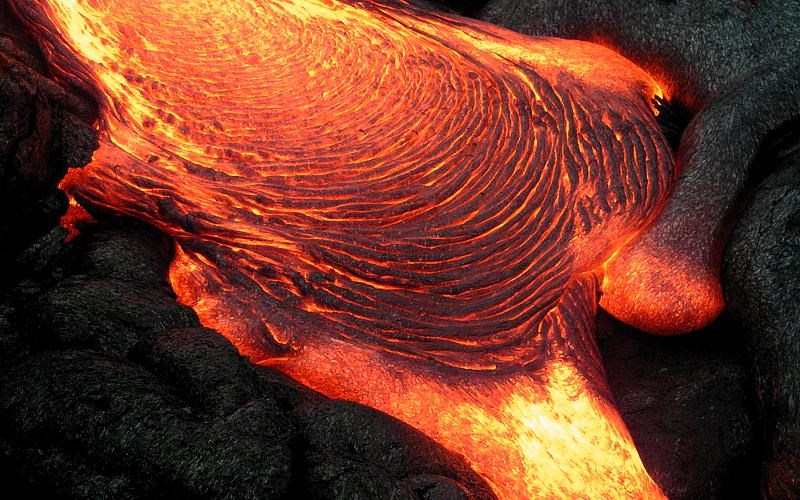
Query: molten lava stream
[(396, 206)]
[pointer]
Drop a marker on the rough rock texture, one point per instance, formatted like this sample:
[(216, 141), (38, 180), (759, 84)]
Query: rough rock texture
[(703, 48), (116, 391), (762, 274), (688, 402), (43, 131)]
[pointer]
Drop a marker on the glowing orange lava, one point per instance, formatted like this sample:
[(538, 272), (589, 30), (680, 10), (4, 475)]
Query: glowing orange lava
[(395, 206)]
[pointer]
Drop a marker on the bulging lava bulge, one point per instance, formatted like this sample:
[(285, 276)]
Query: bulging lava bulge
[(395, 206)]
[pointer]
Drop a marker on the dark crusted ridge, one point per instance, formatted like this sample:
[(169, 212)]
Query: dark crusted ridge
[(762, 278), (43, 131)]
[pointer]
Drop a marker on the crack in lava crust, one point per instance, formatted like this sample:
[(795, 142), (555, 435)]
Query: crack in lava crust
[(399, 207)]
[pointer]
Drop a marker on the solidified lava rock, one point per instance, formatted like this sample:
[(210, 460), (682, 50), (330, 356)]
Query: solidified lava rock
[(762, 274), (44, 130), (703, 47), (121, 393), (688, 402)]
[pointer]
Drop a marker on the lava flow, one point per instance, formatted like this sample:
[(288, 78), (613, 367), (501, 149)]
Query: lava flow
[(395, 206)]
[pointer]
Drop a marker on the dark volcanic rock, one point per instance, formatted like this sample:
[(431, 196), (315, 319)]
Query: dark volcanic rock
[(208, 371), (120, 419), (703, 48), (689, 405), (116, 295), (44, 130), (119, 393), (10, 344), (762, 275), (338, 433)]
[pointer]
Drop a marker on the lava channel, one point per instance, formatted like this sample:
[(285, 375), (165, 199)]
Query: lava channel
[(395, 206)]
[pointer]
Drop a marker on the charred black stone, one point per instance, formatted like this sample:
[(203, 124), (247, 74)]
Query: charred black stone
[(688, 402), (44, 130), (673, 118), (762, 277), (702, 47), (116, 391)]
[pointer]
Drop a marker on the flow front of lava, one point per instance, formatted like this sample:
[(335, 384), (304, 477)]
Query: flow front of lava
[(394, 206)]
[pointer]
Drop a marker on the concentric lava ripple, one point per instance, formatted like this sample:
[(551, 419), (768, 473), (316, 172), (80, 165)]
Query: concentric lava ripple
[(396, 206)]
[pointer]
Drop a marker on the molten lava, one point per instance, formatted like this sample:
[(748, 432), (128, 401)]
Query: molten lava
[(395, 206)]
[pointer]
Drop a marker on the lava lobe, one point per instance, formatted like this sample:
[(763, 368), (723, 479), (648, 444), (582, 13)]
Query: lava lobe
[(393, 205)]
